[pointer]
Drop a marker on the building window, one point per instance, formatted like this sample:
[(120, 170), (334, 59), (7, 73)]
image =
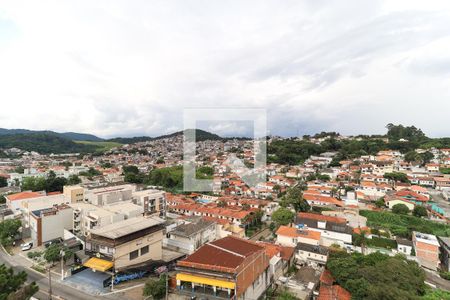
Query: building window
[(144, 250), (134, 254)]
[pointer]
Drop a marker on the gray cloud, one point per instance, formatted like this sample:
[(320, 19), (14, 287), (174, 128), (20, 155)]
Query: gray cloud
[(113, 68)]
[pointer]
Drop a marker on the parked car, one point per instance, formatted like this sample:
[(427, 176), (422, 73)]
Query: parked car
[(26, 246)]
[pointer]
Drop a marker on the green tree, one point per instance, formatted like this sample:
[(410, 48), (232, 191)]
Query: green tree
[(33, 184), (53, 253), (397, 176), (294, 198), (420, 211), (8, 230), (3, 181), (377, 276), (400, 209), (411, 156), (12, 285), (156, 288), (379, 203), (73, 180), (285, 295), (130, 169), (283, 216)]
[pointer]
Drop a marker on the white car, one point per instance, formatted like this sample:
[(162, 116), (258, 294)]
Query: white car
[(26, 246)]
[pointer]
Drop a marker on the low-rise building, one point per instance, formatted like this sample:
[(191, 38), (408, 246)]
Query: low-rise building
[(190, 236), (152, 201), (426, 247), (49, 223), (74, 193), (127, 243), (291, 236), (333, 230), (311, 254), (404, 246), (229, 268)]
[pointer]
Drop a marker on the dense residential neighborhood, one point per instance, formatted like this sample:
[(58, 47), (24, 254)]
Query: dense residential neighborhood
[(119, 220)]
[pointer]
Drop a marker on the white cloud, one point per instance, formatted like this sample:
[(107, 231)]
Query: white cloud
[(120, 68)]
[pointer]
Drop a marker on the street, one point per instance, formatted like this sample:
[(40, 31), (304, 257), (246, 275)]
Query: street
[(59, 291)]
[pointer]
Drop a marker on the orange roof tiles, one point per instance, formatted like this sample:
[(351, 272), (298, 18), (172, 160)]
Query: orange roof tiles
[(326, 277), (294, 232), (335, 292), (321, 217), (24, 195)]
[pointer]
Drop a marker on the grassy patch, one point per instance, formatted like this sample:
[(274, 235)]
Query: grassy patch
[(101, 146), (39, 268), (403, 225)]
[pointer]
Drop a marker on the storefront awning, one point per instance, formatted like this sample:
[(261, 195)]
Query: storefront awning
[(98, 264), (205, 280)]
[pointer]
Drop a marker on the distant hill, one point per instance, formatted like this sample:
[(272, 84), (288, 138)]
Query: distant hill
[(47, 141), (201, 135), (69, 135), (75, 136), (44, 143), (130, 140)]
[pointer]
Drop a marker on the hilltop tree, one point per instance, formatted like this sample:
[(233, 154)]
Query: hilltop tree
[(400, 209), (420, 211)]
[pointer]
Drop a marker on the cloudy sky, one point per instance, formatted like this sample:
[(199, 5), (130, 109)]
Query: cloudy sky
[(130, 67)]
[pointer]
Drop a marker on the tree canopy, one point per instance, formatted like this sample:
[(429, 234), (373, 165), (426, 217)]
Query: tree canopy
[(377, 276), (156, 288), (283, 216), (400, 209), (12, 285), (8, 230)]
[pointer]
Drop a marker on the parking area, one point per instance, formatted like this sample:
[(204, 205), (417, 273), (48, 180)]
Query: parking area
[(89, 281)]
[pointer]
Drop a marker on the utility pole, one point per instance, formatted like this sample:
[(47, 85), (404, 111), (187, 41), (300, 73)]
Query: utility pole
[(49, 284), (112, 281), (62, 253)]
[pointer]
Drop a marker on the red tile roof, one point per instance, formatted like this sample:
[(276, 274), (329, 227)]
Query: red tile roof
[(320, 217), (294, 232), (335, 292), (326, 277), (224, 255), (24, 195)]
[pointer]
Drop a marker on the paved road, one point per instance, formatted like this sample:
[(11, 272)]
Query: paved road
[(265, 233), (439, 282), (60, 291)]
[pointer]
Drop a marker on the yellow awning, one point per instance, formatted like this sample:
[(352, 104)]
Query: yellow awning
[(98, 264), (205, 280)]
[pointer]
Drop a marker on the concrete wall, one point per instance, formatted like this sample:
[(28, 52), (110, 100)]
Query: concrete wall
[(122, 252)]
